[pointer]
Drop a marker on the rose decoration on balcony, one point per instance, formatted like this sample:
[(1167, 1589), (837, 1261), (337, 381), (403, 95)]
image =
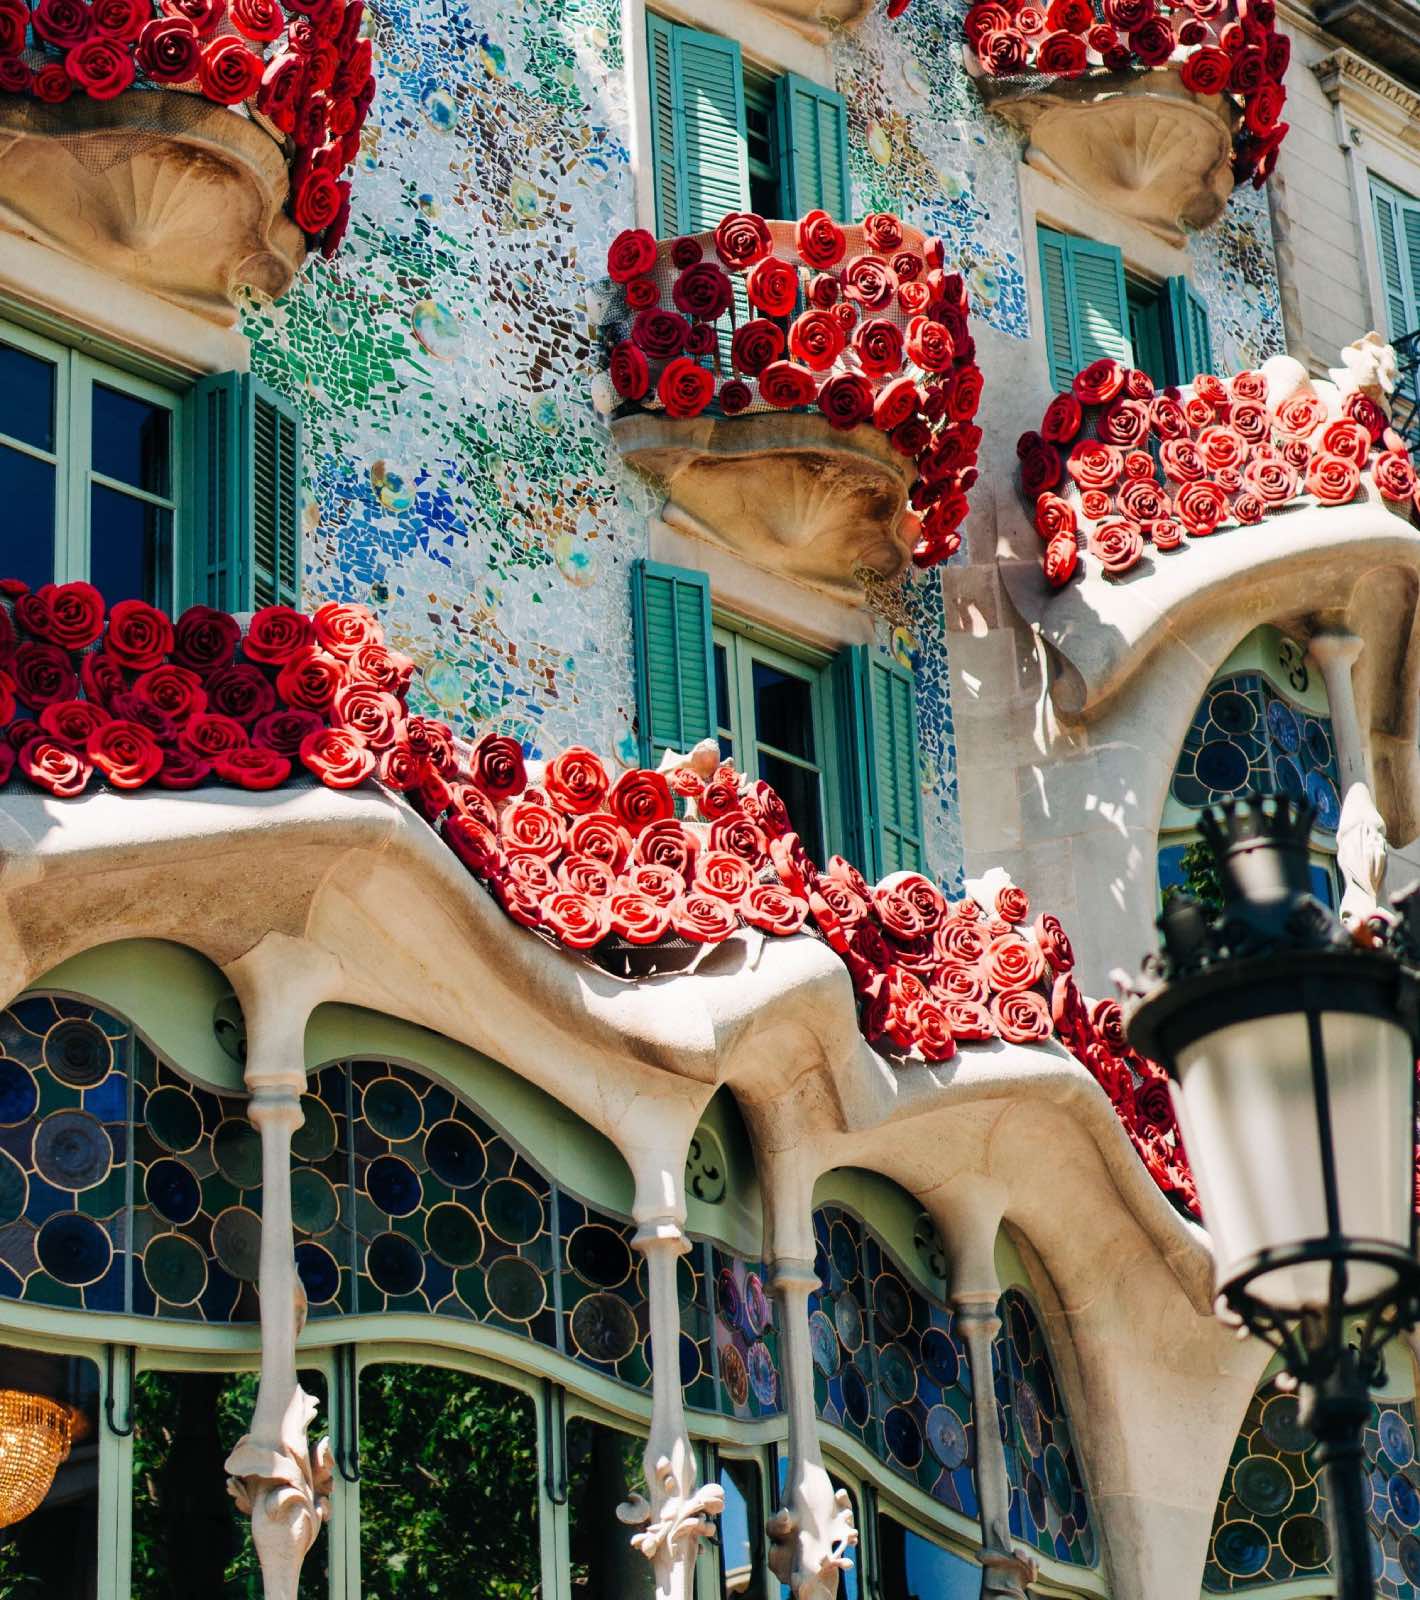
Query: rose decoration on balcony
[(1117, 470), (1218, 47), (864, 323), (301, 70)]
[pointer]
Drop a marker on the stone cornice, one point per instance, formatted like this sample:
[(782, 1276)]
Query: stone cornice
[(1344, 69)]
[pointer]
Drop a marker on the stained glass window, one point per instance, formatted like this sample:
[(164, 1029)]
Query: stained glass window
[(889, 1368), (124, 1186), (1270, 1525), (1049, 1507)]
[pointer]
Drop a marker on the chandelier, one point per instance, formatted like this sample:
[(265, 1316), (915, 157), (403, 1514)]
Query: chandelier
[(35, 1435)]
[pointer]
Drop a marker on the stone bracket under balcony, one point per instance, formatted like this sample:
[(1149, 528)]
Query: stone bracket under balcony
[(783, 490), (1137, 142), (166, 191)]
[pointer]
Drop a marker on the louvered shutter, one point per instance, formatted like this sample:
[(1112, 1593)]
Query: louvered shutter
[(710, 85), (1390, 235), (1190, 337), (667, 135), (1057, 304), (675, 673), (246, 494), (878, 757), (812, 127), (1085, 304)]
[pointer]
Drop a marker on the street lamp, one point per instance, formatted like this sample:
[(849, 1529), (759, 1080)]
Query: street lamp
[(1290, 1043)]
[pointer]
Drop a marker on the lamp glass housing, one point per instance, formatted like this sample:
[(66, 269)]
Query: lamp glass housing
[(1301, 1163)]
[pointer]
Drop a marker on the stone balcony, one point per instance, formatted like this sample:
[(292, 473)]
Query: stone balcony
[(804, 392), (1158, 123), (191, 165)]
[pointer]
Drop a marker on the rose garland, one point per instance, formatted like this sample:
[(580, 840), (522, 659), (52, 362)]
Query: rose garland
[(881, 337), (1220, 48), (304, 68), (1127, 467), (126, 697)]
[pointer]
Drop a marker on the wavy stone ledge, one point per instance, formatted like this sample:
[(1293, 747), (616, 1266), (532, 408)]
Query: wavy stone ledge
[(161, 189), (786, 491), (1138, 142)]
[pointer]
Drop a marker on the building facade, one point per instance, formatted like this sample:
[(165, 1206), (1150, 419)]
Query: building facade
[(568, 1050)]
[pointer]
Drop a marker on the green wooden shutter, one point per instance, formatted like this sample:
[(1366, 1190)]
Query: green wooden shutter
[(1084, 301), (878, 737), (246, 495), (667, 132), (1190, 338), (812, 127), (1389, 235), (675, 670)]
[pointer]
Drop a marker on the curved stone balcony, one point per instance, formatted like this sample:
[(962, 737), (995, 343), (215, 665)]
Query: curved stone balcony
[(806, 393), (1159, 123), (215, 168)]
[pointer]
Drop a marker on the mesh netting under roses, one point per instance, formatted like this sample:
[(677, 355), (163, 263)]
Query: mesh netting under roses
[(862, 323), (1221, 48), (638, 873), (155, 69), (1113, 487)]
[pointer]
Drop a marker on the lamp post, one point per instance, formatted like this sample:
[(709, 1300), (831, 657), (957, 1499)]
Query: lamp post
[(1291, 1044)]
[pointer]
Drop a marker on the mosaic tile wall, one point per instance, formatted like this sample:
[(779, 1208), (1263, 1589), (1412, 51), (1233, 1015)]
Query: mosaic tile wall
[(461, 479)]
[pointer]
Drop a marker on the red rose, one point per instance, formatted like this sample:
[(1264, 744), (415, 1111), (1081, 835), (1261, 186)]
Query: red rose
[(61, 22), (785, 384), (638, 918), (878, 346), (282, 84), (630, 376), (767, 907), (252, 768), (632, 253), (685, 389), (52, 84), (210, 734), (345, 629), (1117, 544), (261, 20), (1166, 418), (846, 400), (1222, 447), (527, 825), (1123, 422), (661, 334), (376, 716), (736, 834), (883, 232), (125, 752), (73, 614), (275, 635), (669, 843), (230, 73), (205, 639), (1152, 42), (1054, 943), (43, 674), (1182, 460), (735, 397), (1365, 413), (496, 766), (869, 282), (599, 834), (1248, 508), (1021, 1017), (723, 875), (1264, 107), (819, 241), (69, 721), (703, 918), (1053, 516), (1167, 533), (317, 199), (1074, 16), (895, 403), (1142, 500), (473, 842), (102, 68), (703, 291), (176, 691), (338, 757), (1347, 439), (240, 691), (986, 16), (1094, 464), (1003, 51), (1012, 904), (685, 252), (908, 266), (1040, 470), (575, 919), (1099, 383), (929, 345), (823, 291), (742, 239), (1201, 506), (964, 393), (1061, 55), (1333, 479), (756, 345), (968, 1020), (773, 286), (1095, 503), (63, 771), (1300, 415), (815, 339), (1206, 71), (576, 781), (533, 869), (639, 798), (659, 884), (1063, 419), (1394, 476), (283, 731), (642, 292)]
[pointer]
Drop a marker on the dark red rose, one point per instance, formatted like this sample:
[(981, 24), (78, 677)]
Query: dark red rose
[(261, 20), (205, 639), (773, 286), (630, 376), (1075, 16), (125, 752), (661, 334), (102, 677), (43, 674), (757, 344), (1062, 55), (317, 197), (52, 84), (1365, 413), (203, 14), (496, 766), (14, 19), (252, 768), (701, 339), (1249, 71), (742, 240), (846, 400), (735, 397), (70, 615), (175, 691), (282, 82), (632, 253), (878, 345), (399, 768), (241, 692), (1099, 383), (275, 635), (102, 68), (823, 290), (685, 388), (209, 734), (69, 721), (964, 390), (703, 291), (120, 20), (63, 771), (1063, 419), (339, 757), (61, 22), (1040, 470), (820, 241), (1153, 42), (785, 383), (870, 282), (283, 731), (685, 252), (133, 707)]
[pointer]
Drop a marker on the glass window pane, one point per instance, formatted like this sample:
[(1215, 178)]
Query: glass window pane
[(913, 1568), (54, 1549), (603, 1469), (799, 789), (783, 711), (722, 688), (448, 1486), (189, 1538), (27, 529), (132, 440), (27, 385), (742, 1538), (130, 547)]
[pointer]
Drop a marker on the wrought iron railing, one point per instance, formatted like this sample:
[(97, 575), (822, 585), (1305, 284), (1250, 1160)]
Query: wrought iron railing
[(1405, 402)]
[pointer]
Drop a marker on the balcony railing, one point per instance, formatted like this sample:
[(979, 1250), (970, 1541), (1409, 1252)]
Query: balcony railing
[(844, 352), (1405, 402)]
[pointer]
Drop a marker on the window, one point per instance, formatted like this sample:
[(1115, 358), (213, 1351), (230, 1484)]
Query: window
[(835, 734), (1093, 310), (161, 490), (914, 1568), (1398, 247), (726, 137)]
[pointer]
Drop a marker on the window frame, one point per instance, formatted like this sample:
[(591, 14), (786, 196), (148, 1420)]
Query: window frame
[(76, 370)]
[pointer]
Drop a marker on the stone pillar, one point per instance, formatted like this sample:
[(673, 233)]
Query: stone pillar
[(1335, 654), (272, 1473)]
